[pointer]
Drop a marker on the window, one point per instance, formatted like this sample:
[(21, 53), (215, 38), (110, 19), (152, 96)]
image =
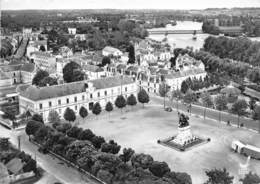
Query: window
[(98, 94), (83, 97), (76, 108), (14, 74), (59, 111), (40, 106), (59, 102), (49, 104), (75, 99), (105, 93), (68, 100), (125, 89)]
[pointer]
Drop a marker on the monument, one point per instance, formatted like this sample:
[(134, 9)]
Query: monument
[(184, 135), (184, 139)]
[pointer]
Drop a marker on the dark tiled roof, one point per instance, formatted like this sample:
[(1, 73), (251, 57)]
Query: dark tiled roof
[(28, 67), (110, 82), (93, 68), (35, 93), (10, 68)]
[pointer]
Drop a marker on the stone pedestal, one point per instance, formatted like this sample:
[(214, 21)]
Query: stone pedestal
[(184, 135)]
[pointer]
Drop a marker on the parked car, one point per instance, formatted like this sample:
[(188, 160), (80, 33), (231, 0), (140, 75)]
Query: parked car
[(168, 109)]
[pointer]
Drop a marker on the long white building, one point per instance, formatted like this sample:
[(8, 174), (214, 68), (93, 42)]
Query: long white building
[(74, 95)]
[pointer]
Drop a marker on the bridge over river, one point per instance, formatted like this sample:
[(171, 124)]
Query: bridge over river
[(165, 31)]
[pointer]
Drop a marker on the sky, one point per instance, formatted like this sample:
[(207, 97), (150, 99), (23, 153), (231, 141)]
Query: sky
[(125, 4)]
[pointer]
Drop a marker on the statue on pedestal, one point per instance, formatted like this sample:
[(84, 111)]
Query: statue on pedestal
[(183, 120), (184, 132)]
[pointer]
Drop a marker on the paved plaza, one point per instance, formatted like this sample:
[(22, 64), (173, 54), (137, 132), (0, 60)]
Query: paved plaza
[(141, 128)]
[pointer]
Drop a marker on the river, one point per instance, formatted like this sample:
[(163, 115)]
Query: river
[(185, 40)]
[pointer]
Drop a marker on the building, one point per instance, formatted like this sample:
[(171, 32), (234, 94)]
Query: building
[(44, 61), (27, 32), (72, 31), (74, 95), (95, 72), (34, 46), (111, 51), (16, 74)]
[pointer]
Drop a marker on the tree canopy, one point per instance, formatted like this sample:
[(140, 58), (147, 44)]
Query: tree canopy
[(83, 112), (143, 97), (69, 114), (39, 76), (72, 72), (96, 108)]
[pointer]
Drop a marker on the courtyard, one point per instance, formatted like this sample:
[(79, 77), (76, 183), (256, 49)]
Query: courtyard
[(140, 129)]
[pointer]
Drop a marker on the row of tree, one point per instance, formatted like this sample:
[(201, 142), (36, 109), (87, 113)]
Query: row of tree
[(197, 84), (239, 49), (120, 103), (227, 68)]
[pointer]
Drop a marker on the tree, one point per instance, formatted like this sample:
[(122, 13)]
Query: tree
[(252, 104), (42, 48), (217, 176), (257, 115), (86, 135), (143, 97), (40, 75), (131, 55), (111, 147), (178, 95), (72, 72), (41, 133), (37, 117), (131, 100), (239, 108), (83, 112), (251, 178), (97, 141), (127, 154), (105, 61), (109, 107), (74, 132), (48, 81), (32, 127), (220, 104), (120, 102), (53, 117), (142, 160), (159, 169), (96, 108), (207, 101), (163, 89), (184, 87), (69, 115)]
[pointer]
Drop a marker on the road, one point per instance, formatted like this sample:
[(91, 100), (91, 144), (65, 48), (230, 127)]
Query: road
[(209, 113), (52, 165)]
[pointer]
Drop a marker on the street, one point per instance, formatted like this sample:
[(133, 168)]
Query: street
[(52, 165), (210, 113)]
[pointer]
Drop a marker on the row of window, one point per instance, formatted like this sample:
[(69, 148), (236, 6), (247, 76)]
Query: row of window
[(83, 98)]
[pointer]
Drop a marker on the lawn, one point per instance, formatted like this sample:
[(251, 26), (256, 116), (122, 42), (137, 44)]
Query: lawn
[(141, 128)]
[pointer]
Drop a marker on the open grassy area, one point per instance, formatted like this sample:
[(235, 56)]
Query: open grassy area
[(141, 128)]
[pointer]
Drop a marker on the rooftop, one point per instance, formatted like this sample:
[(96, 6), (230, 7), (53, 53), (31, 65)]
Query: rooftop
[(36, 93), (110, 49), (93, 68)]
